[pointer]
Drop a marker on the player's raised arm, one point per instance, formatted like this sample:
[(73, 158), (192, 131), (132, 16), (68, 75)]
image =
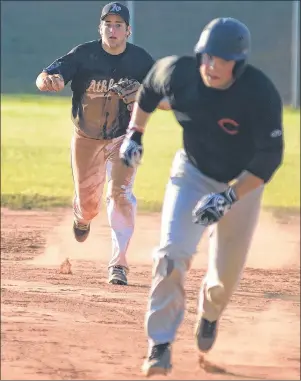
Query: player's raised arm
[(55, 76)]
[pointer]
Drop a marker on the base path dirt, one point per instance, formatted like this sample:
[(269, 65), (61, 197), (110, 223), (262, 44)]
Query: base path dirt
[(77, 327)]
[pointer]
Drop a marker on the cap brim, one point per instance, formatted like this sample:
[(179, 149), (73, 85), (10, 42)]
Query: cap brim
[(112, 13)]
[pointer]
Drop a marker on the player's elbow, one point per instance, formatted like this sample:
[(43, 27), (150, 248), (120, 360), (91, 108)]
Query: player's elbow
[(275, 164), (164, 105), (265, 164)]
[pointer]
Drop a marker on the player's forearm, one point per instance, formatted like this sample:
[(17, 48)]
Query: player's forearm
[(139, 118), (245, 183)]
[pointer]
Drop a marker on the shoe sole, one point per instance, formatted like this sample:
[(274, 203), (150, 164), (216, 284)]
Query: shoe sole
[(118, 282), (148, 372), (201, 341), (81, 238)]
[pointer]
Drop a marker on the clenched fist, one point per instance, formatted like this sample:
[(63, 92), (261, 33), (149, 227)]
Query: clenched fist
[(212, 207), (50, 82)]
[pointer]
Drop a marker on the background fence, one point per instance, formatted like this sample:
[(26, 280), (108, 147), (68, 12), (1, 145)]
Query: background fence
[(34, 33)]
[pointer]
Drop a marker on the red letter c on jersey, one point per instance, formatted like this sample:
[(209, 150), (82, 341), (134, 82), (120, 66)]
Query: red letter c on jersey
[(229, 126)]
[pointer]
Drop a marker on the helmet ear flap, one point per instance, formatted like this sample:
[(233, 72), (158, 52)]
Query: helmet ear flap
[(198, 59), (239, 68)]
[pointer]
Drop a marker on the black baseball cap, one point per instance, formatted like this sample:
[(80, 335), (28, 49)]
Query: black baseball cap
[(116, 9)]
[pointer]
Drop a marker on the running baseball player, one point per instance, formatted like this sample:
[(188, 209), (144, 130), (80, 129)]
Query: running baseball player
[(231, 115), (105, 75)]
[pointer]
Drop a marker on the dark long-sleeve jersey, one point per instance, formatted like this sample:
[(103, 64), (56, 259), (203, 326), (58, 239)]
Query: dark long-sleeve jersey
[(91, 71), (224, 131)]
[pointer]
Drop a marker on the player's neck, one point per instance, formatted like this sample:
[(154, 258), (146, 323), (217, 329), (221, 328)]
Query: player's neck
[(114, 51), (228, 84)]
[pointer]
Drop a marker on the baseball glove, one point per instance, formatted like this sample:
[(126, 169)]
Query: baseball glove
[(126, 89)]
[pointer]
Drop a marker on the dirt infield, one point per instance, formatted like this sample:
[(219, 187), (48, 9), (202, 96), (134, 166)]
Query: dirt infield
[(77, 327)]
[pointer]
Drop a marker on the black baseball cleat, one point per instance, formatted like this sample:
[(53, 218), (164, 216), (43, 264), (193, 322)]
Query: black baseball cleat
[(206, 332), (158, 361), (117, 275), (81, 231)]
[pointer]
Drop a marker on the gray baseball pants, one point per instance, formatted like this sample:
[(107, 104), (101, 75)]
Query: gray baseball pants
[(230, 240)]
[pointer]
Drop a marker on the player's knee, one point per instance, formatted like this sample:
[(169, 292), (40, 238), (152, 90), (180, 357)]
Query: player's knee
[(162, 267), (121, 195), (216, 294), (169, 265), (175, 252)]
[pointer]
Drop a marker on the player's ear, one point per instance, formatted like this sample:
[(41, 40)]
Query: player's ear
[(128, 31), (100, 29)]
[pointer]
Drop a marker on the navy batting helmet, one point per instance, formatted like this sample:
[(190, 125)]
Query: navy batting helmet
[(226, 38)]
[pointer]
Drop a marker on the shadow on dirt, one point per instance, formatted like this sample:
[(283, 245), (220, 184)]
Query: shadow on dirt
[(210, 367)]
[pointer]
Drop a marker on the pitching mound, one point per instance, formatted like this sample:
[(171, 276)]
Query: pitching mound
[(73, 325)]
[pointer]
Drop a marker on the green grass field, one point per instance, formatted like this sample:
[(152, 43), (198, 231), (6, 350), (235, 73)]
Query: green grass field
[(35, 157)]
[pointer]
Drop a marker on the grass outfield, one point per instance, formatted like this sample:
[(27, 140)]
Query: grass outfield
[(35, 158)]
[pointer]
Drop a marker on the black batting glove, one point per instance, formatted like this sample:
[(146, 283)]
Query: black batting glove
[(212, 207)]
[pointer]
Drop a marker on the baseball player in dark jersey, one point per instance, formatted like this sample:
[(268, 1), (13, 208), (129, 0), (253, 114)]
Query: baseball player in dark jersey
[(231, 115), (105, 75)]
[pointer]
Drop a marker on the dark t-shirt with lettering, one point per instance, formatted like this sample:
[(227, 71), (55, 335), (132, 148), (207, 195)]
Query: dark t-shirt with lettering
[(91, 70)]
